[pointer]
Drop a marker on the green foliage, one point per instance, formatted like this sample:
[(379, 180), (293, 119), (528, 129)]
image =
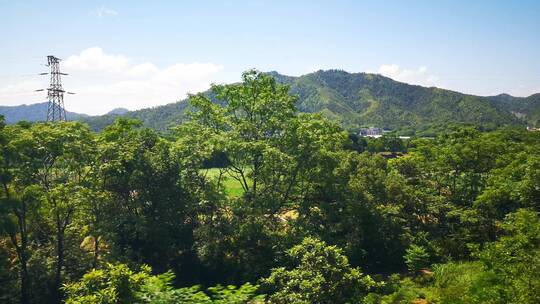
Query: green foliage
[(246, 293), (512, 263), (252, 124), (416, 258), (319, 274), (8, 288), (453, 281), (404, 291), (386, 143), (229, 294), (273, 154), (149, 219), (113, 284), (119, 284), (507, 271)]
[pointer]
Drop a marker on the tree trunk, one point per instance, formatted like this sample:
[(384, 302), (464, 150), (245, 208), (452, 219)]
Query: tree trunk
[(60, 228), (59, 266), (96, 252), (25, 297), (23, 261), (21, 250)]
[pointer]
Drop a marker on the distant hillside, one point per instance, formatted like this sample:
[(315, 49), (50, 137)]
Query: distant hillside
[(33, 112), (118, 111), (361, 99), (159, 118), (525, 108)]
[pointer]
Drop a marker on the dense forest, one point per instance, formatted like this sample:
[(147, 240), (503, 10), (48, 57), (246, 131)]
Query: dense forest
[(249, 201)]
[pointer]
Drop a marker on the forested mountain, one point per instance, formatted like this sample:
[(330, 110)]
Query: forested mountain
[(118, 111), (370, 99), (526, 108), (361, 99), (32, 112), (158, 118), (355, 100)]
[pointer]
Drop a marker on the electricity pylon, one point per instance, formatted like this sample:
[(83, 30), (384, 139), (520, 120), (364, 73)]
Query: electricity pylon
[(55, 92)]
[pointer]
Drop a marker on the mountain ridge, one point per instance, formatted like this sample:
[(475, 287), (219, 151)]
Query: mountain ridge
[(363, 99), (32, 112)]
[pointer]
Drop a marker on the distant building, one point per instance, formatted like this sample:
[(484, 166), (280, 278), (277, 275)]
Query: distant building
[(371, 132)]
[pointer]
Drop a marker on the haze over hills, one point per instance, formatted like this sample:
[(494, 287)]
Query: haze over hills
[(38, 112), (32, 112), (118, 111), (353, 99)]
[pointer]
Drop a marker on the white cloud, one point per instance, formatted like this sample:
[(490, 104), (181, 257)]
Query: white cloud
[(105, 81), (418, 76), (20, 88), (94, 59), (142, 70), (103, 11), (21, 92)]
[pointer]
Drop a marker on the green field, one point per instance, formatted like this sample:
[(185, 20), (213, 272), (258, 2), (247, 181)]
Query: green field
[(232, 187)]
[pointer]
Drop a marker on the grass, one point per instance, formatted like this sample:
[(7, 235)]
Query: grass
[(232, 187)]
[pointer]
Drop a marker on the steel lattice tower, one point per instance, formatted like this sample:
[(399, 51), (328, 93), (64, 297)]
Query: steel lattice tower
[(55, 92)]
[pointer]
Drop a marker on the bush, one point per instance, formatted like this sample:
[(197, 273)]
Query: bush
[(416, 258), (320, 274), (119, 284)]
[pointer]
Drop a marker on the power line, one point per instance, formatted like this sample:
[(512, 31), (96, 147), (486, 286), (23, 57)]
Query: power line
[(55, 93)]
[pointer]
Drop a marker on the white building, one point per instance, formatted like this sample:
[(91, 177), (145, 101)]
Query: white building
[(371, 132)]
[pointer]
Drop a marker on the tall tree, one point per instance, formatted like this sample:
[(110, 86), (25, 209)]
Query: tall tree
[(273, 153), (67, 150), (150, 215), (15, 207)]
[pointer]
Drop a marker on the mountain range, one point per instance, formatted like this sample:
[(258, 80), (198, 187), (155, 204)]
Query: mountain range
[(38, 112), (353, 99), (32, 112)]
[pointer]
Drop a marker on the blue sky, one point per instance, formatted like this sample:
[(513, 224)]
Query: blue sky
[(137, 54)]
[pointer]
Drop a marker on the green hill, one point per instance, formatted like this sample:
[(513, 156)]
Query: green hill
[(32, 112), (158, 118), (525, 108), (361, 99)]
